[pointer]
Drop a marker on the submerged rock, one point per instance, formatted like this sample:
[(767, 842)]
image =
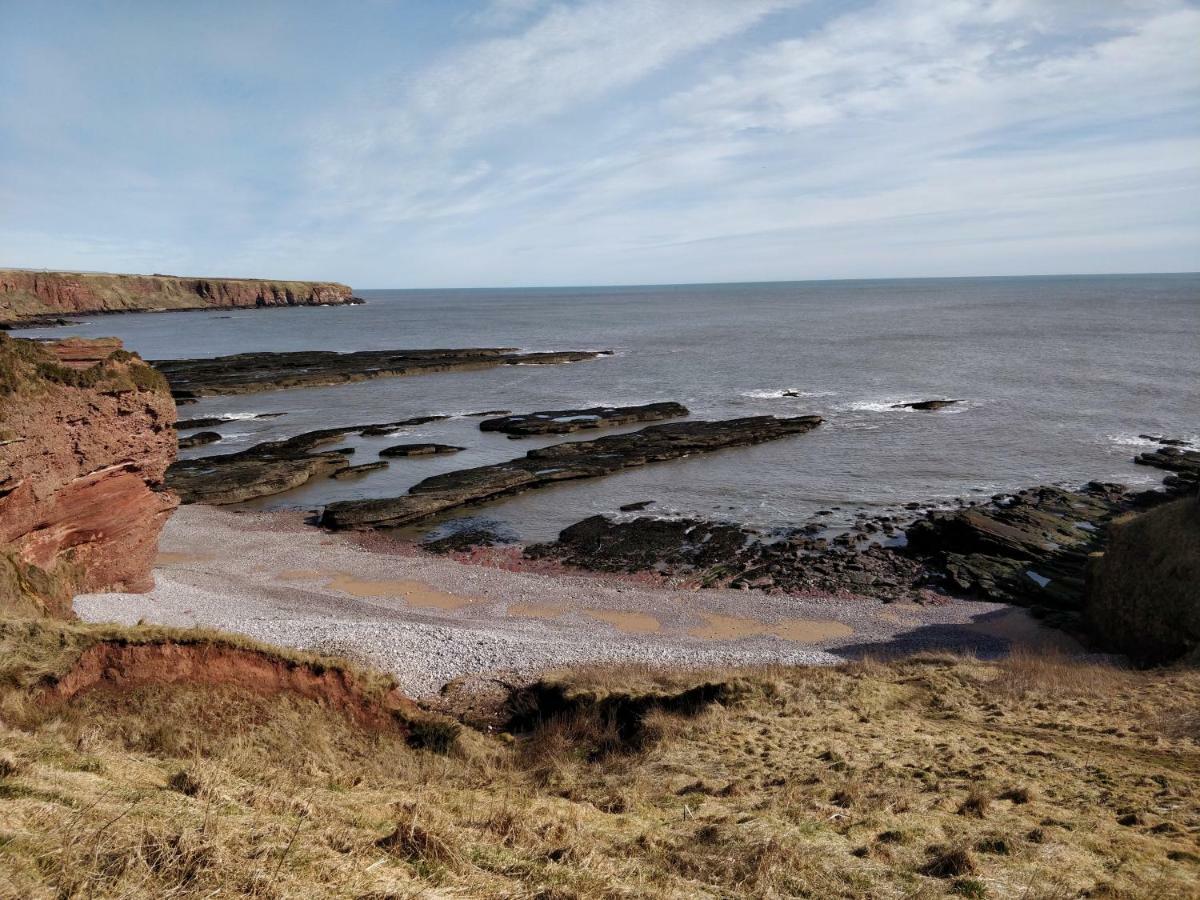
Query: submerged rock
[(363, 469), (385, 428), (565, 421), (245, 373), (420, 450), (561, 462)]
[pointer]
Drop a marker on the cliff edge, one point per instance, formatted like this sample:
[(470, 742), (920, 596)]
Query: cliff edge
[(25, 294), (86, 435)]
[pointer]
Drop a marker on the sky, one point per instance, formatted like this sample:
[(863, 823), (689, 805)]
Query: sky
[(432, 143)]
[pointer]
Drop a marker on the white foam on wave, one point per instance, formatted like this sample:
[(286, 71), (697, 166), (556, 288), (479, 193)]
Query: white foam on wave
[(1133, 440), (892, 405), (785, 394)]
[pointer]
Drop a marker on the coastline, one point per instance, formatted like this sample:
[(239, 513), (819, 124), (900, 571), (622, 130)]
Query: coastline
[(431, 619)]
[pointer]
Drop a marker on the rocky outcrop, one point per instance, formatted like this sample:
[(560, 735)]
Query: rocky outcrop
[(561, 462), (565, 421), (85, 440), (1183, 464), (1144, 590), (721, 554), (260, 471), (246, 373), (272, 467), (25, 294), (1030, 548)]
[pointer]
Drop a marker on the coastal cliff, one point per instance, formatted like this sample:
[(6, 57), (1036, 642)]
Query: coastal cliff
[(25, 294), (86, 435)]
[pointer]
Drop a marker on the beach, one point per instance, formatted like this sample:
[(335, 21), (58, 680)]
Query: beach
[(431, 619)]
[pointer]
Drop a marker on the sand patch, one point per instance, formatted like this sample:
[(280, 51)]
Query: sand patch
[(164, 558), (628, 622), (414, 593), (301, 575), (804, 631), (536, 610), (1019, 628)]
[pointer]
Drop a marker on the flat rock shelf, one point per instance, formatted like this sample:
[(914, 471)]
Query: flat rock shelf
[(565, 421), (246, 373), (561, 462)]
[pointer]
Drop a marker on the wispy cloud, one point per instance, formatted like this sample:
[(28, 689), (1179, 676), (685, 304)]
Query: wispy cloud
[(545, 141)]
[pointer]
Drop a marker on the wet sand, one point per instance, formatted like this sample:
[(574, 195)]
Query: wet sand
[(430, 619)]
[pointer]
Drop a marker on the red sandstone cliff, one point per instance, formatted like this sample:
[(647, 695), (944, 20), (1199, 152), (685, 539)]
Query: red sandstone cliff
[(26, 293), (86, 435)]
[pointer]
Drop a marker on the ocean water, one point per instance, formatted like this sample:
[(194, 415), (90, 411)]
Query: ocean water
[(1058, 376)]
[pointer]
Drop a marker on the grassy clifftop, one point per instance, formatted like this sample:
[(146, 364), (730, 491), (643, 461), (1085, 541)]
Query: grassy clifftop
[(25, 293), (932, 777)]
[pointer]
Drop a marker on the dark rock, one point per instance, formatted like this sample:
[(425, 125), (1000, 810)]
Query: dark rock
[(677, 545), (208, 422), (487, 412), (719, 554), (419, 450), (363, 469), (636, 507), (1029, 548), (560, 462), (462, 535), (245, 373), (925, 405), (564, 421), (199, 439), (1184, 463), (1165, 441)]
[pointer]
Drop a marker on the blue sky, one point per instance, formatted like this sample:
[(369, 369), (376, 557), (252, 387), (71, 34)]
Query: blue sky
[(414, 143)]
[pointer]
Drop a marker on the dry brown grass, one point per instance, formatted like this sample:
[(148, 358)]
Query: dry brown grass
[(939, 776)]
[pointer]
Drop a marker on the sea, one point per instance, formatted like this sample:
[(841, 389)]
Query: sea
[(1058, 377)]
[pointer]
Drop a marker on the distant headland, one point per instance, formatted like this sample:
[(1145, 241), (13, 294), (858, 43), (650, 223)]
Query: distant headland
[(27, 294)]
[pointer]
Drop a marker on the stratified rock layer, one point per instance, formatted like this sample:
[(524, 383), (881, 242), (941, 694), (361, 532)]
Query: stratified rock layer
[(565, 421), (246, 373), (561, 462), (85, 440), (24, 294)]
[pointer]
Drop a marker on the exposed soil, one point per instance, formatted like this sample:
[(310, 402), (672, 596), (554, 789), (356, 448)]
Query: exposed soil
[(123, 666)]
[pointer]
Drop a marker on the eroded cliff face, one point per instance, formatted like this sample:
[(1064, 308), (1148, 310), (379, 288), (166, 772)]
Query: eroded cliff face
[(24, 293), (86, 435)]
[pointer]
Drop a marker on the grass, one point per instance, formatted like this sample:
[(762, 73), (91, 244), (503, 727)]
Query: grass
[(936, 776), (28, 367)]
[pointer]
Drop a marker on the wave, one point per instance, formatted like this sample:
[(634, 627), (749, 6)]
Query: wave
[(892, 405), (785, 393), (1136, 440)]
